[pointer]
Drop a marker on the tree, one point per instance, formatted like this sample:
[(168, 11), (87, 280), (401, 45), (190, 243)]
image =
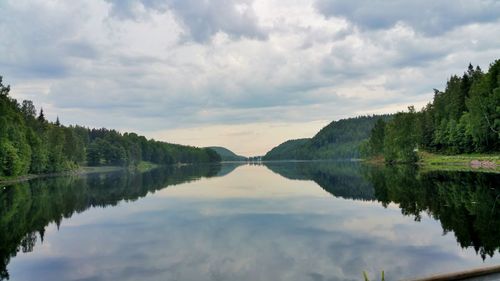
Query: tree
[(483, 106), (10, 164), (401, 138), (93, 155), (41, 116), (376, 141), (28, 109)]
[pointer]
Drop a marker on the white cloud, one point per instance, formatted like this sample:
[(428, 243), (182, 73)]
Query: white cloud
[(164, 65)]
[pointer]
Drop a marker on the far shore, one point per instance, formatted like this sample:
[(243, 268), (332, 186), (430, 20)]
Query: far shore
[(427, 161)]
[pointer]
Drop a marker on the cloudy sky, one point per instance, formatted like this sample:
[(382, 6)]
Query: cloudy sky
[(245, 74)]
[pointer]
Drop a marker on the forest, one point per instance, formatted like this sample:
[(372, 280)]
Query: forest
[(30, 144), (464, 118)]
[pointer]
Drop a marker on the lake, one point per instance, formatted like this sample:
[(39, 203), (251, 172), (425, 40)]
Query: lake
[(273, 221)]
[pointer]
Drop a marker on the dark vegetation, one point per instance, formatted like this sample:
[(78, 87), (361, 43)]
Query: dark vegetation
[(464, 118), (226, 154), (338, 140), (29, 143)]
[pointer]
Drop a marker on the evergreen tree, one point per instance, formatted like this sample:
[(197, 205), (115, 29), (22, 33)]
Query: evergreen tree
[(376, 141), (41, 116)]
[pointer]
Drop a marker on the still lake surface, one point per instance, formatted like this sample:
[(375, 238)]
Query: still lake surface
[(277, 221)]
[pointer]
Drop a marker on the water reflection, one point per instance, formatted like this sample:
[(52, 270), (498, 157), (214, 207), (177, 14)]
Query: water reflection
[(465, 203), (250, 223), (27, 208), (341, 179)]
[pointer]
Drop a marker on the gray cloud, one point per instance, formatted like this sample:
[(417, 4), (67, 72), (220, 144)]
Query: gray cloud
[(39, 41), (156, 65), (202, 19), (427, 16)]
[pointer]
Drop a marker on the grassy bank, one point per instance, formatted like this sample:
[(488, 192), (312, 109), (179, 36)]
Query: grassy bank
[(461, 162), (489, 162), (83, 170), (146, 166)]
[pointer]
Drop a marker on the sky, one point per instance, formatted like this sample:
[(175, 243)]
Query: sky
[(243, 74)]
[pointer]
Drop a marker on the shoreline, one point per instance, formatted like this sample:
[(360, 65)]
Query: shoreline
[(84, 170), (427, 161), (460, 162), (80, 171)]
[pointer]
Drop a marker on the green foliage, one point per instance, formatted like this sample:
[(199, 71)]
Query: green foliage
[(291, 149), (401, 138), (226, 154), (338, 140), (377, 137), (464, 118), (10, 163), (31, 144)]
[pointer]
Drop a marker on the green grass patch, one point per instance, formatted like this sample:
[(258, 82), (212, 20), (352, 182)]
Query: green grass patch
[(146, 166), (469, 162)]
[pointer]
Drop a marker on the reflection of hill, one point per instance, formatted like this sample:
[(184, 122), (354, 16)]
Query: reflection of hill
[(228, 168), (27, 208), (341, 179), (464, 202)]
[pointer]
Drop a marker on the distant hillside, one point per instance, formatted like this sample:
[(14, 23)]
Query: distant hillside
[(291, 149), (227, 155), (338, 140)]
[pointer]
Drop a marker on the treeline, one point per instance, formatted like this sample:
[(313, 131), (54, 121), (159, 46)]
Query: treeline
[(464, 118), (338, 140), (29, 143)]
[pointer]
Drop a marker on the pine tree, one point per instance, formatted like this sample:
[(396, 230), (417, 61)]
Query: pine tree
[(41, 116)]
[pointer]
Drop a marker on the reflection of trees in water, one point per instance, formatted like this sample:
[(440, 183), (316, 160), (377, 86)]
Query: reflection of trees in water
[(465, 203), (27, 208), (341, 179)]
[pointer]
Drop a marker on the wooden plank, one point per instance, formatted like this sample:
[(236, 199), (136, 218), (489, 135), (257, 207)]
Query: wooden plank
[(462, 275)]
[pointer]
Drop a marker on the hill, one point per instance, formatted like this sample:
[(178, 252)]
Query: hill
[(338, 140), (226, 154)]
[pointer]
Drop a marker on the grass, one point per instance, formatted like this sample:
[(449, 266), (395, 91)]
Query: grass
[(98, 169), (367, 279), (146, 166), (457, 162)]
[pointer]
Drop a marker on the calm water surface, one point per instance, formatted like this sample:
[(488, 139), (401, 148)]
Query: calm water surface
[(279, 221)]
